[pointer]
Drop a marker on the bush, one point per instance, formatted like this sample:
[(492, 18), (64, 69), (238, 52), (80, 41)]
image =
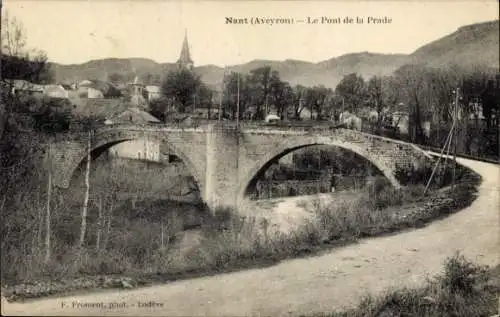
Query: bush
[(460, 291), (367, 213), (461, 275)]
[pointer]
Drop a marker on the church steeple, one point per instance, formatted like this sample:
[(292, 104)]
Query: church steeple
[(185, 60)]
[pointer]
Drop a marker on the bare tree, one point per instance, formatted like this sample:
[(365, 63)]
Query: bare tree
[(316, 100), (375, 98), (100, 219), (281, 94), (413, 83), (83, 226), (13, 36), (19, 61), (259, 81), (47, 216)]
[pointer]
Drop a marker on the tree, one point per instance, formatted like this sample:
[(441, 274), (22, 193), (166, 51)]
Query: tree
[(23, 180), (489, 98), (180, 86), (287, 99), (83, 226), (116, 78), (19, 62), (390, 92), (259, 88), (352, 89), (88, 125), (205, 97), (19, 180), (317, 100), (237, 87), (158, 108), (412, 80), (299, 104), (48, 213), (108, 184), (375, 98), (281, 94), (13, 36), (232, 84)]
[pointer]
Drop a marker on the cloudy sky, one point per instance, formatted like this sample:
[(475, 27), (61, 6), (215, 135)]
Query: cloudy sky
[(75, 31)]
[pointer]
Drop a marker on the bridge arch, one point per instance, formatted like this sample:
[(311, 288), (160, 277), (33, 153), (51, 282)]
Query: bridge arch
[(293, 144), (106, 140)]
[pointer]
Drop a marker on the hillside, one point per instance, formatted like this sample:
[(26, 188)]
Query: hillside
[(97, 69), (468, 46)]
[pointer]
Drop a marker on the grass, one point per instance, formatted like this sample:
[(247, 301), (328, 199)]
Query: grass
[(463, 289), (228, 242)]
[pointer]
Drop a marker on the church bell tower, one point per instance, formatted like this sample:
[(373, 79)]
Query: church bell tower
[(185, 60)]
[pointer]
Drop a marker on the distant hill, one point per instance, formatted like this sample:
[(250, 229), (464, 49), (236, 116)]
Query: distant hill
[(99, 69), (470, 45)]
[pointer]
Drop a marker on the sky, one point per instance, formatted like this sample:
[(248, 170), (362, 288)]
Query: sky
[(76, 31)]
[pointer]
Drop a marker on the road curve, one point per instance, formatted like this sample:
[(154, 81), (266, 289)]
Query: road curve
[(330, 281)]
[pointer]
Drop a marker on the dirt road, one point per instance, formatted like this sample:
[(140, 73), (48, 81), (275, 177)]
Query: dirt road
[(319, 283)]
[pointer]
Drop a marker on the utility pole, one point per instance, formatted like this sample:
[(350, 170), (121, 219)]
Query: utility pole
[(220, 105), (222, 94), (447, 144), (455, 135), (194, 102), (266, 106)]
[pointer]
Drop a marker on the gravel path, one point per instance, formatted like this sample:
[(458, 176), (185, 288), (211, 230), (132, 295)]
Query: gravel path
[(330, 281)]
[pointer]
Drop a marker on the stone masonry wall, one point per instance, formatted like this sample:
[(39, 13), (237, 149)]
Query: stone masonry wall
[(223, 160)]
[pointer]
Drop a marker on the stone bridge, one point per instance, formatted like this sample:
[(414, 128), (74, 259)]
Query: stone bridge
[(224, 160)]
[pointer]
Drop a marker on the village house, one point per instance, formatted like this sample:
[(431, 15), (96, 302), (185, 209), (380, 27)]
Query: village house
[(142, 149), (95, 89), (137, 92), (118, 111), (153, 92), (19, 86), (55, 91), (89, 92)]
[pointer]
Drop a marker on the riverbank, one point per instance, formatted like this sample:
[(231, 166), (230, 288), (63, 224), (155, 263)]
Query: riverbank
[(240, 246), (332, 281)]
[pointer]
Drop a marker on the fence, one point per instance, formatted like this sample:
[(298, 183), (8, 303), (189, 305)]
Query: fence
[(266, 189), (474, 141), (274, 189)]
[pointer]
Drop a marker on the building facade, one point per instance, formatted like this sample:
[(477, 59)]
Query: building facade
[(153, 92), (143, 150)]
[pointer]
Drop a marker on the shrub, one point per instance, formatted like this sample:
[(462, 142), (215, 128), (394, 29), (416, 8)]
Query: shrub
[(461, 275), (460, 291)]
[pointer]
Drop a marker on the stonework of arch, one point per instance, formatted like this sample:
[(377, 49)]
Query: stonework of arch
[(292, 144), (224, 161), (109, 138)]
